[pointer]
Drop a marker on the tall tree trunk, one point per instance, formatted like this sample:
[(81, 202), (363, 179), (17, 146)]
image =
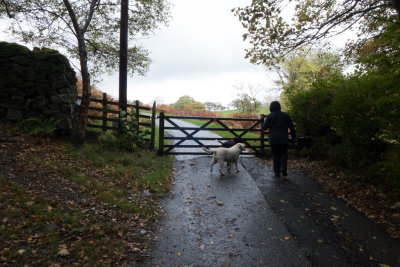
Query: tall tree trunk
[(86, 91), (123, 55), (396, 5)]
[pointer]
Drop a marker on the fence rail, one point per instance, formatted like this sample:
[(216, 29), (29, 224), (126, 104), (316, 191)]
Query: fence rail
[(108, 114), (168, 149)]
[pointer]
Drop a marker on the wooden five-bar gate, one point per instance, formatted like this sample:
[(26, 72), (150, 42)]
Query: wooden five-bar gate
[(255, 144)]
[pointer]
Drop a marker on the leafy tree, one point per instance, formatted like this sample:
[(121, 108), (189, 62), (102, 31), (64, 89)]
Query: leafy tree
[(273, 37), (183, 101), (246, 103), (247, 99), (302, 69), (87, 31), (219, 106), (238, 104), (214, 106), (188, 103), (354, 118), (210, 105), (380, 51), (195, 106), (310, 110)]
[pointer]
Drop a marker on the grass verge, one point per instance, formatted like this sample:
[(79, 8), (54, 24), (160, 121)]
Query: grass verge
[(64, 206)]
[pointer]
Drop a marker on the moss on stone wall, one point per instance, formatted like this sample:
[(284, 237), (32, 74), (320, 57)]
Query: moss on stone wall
[(38, 83)]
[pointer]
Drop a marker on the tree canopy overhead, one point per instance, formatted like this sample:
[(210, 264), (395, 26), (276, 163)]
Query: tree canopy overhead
[(88, 31), (301, 70), (272, 35), (58, 24)]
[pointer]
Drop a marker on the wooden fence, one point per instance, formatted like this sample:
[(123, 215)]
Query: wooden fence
[(109, 112)]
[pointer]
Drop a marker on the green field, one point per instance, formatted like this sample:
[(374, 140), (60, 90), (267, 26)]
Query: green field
[(229, 113), (227, 134)]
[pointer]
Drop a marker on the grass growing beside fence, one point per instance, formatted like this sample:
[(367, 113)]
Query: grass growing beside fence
[(225, 134), (142, 170), (99, 123), (229, 113)]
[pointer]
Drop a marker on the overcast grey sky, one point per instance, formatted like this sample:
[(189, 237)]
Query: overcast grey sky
[(200, 54)]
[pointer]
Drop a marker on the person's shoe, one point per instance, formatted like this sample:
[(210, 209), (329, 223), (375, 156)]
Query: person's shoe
[(277, 174), (284, 173)]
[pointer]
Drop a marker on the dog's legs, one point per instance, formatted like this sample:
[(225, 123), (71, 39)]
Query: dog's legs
[(237, 170), (228, 164), (221, 164), (212, 164)]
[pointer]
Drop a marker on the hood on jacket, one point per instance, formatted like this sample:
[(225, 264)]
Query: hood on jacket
[(275, 106)]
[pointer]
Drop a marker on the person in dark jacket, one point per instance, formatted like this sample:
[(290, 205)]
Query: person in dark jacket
[(278, 123)]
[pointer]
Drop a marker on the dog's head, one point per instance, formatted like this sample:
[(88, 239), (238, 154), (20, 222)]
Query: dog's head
[(241, 146), (237, 140)]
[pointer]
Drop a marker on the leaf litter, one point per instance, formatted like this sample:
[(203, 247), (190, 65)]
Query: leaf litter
[(59, 209)]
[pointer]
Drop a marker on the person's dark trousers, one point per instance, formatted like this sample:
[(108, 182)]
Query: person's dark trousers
[(280, 156)]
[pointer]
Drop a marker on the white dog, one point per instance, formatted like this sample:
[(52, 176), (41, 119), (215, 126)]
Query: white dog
[(223, 154)]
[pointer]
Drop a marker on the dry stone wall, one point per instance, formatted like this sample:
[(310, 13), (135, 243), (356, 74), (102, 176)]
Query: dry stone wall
[(38, 83)]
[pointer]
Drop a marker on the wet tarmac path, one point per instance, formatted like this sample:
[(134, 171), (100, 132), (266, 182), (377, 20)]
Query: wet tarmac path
[(254, 219)]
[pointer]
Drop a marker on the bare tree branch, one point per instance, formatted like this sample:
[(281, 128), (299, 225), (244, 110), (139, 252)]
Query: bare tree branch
[(7, 9), (272, 37), (93, 5)]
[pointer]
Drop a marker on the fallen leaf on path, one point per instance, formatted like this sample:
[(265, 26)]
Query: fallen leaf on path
[(29, 203), (63, 252)]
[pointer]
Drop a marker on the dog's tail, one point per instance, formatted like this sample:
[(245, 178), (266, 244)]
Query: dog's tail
[(208, 151), (218, 141)]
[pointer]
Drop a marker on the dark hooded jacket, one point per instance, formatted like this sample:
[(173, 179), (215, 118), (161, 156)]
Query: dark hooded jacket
[(278, 123)]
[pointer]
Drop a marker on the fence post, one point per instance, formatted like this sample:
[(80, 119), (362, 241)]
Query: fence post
[(161, 135), (104, 126), (262, 136), (115, 124), (137, 114), (153, 126)]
